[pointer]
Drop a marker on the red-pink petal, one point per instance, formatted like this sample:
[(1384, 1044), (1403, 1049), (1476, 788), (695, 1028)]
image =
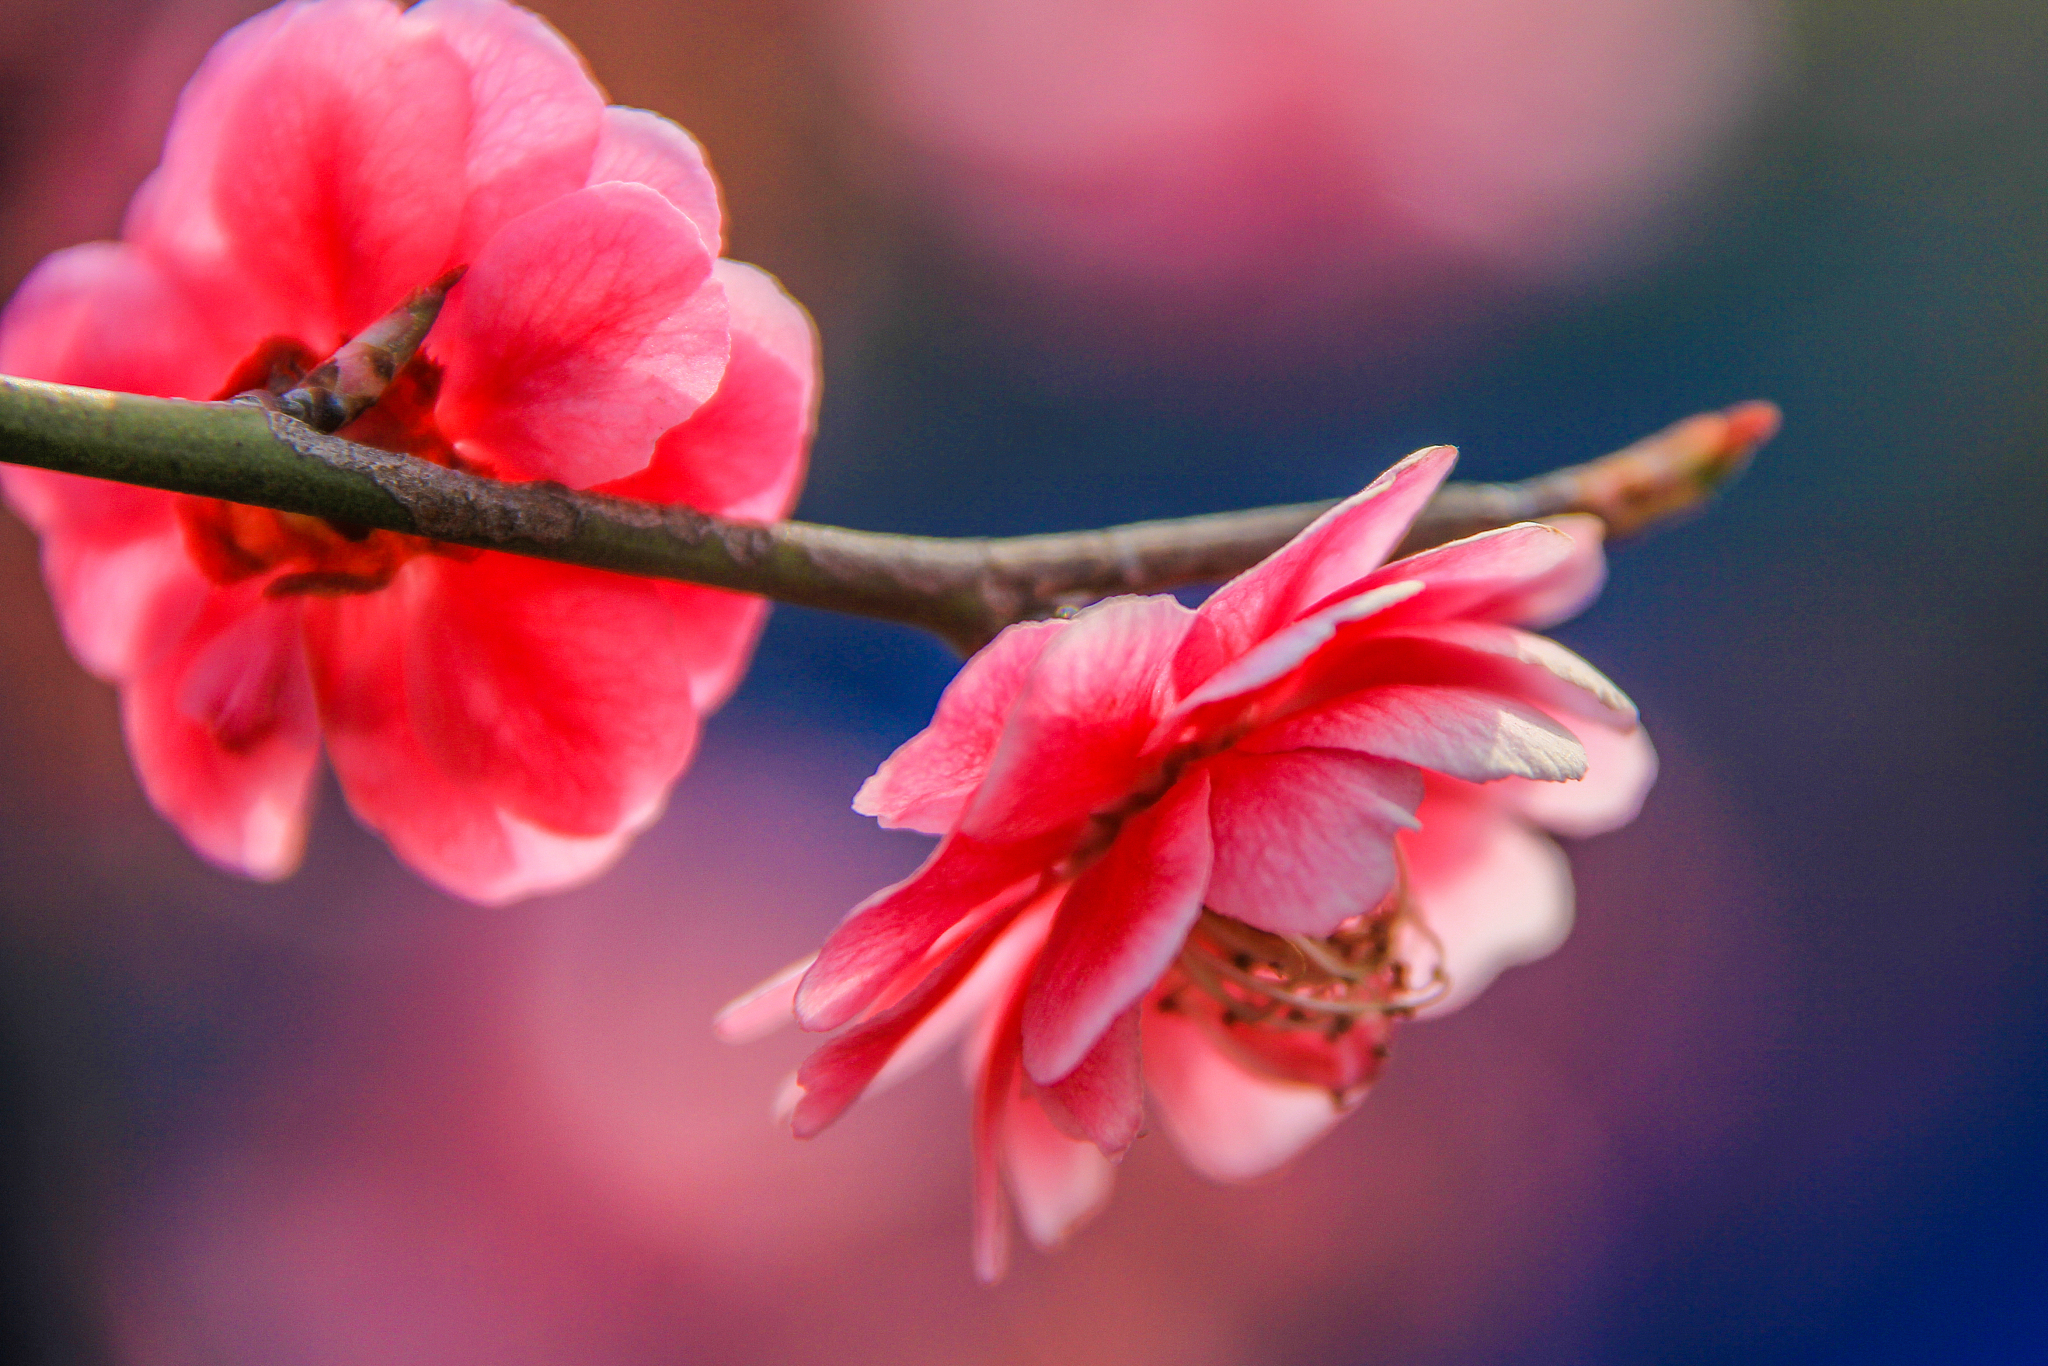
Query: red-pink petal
[(1071, 743), (1229, 1124), (1338, 549), (925, 783), (717, 644), (1226, 697), (995, 1088), (890, 930), (1059, 1182), (648, 149), (1463, 732), (535, 113), (359, 118), (1305, 840), (107, 316), (584, 331), (1103, 1099), (1564, 591), (221, 726), (551, 687), (1492, 891), (1477, 654), (1621, 766), (834, 1076), (112, 597), (1121, 926), (506, 724), (1460, 578), (742, 454), (766, 1008)]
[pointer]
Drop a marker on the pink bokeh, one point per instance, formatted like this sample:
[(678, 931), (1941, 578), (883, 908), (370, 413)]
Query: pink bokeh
[(512, 1139), (1260, 167)]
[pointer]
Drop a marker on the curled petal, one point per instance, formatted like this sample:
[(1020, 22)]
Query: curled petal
[(585, 330), (763, 1010), (360, 194), (1477, 654), (925, 784), (1119, 929), (742, 454), (1338, 549), (649, 150), (1461, 578), (1567, 589), (891, 930), (1229, 1124), (1059, 1181), (1621, 766), (1092, 697), (222, 729), (106, 315), (1103, 1099), (1463, 732), (535, 114), (1305, 839), (835, 1076), (1492, 891)]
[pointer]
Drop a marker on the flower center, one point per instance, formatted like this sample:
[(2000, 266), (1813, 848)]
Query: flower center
[(1316, 1009), (232, 542)]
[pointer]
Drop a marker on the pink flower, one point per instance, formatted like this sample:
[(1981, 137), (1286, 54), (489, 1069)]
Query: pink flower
[(1239, 841), (506, 724)]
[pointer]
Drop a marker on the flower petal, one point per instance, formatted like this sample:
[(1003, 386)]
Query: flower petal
[(649, 150), (1620, 769), (360, 193), (1091, 700), (584, 331), (761, 1011), (1461, 577), (1339, 548), (1119, 928), (223, 733), (1229, 1124), (927, 781), (1567, 589), (742, 454), (506, 724), (890, 930), (536, 115), (107, 316), (1492, 891), (1103, 1099), (1305, 840), (834, 1076), (1059, 1182), (1463, 732), (1478, 654)]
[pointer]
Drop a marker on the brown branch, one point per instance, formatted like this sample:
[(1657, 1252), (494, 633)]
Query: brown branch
[(965, 590)]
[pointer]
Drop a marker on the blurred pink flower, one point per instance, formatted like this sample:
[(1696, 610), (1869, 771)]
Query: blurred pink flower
[(1262, 164), (1241, 840), (507, 725)]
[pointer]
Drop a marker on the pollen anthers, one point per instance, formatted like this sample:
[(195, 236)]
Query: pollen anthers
[(1315, 1009)]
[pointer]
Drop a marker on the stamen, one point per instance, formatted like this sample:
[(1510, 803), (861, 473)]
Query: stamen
[(1315, 1009)]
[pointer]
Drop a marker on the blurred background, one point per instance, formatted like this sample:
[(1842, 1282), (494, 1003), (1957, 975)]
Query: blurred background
[(1782, 1097)]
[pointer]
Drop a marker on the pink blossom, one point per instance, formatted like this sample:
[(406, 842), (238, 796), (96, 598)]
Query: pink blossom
[(506, 724), (1238, 842)]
